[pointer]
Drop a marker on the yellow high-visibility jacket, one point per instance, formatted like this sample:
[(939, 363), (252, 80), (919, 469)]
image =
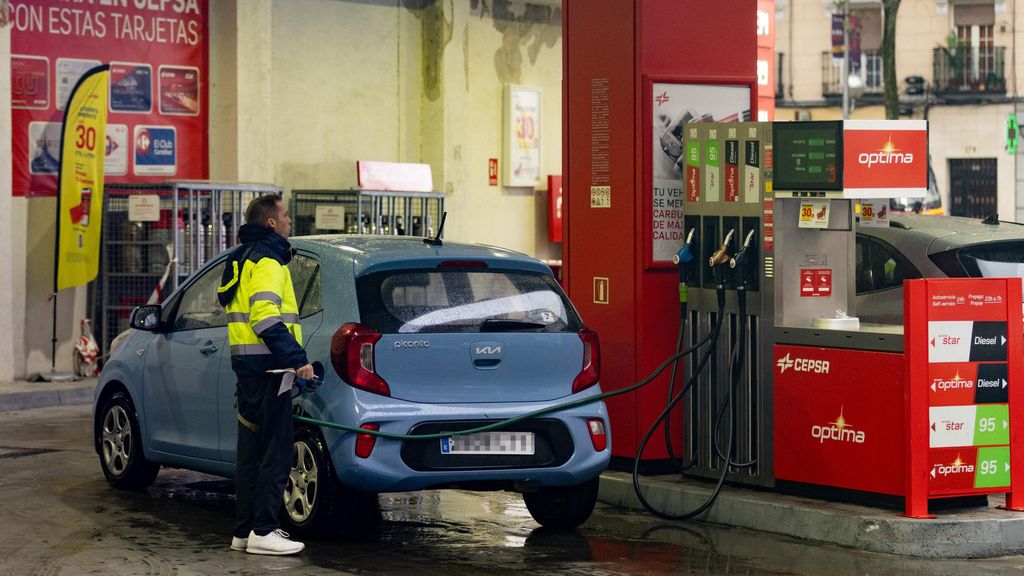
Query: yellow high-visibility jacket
[(263, 315)]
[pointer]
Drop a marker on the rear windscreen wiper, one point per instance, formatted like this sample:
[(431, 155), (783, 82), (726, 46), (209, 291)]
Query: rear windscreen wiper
[(503, 325)]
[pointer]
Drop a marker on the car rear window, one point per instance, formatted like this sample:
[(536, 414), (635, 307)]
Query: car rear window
[(990, 260), (416, 301)]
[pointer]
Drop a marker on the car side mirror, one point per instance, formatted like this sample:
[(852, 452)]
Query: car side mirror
[(146, 318)]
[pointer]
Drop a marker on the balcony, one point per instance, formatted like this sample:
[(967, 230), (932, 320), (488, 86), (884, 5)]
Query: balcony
[(969, 71), (870, 72)]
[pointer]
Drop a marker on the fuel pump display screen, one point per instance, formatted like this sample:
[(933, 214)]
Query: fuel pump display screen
[(808, 155)]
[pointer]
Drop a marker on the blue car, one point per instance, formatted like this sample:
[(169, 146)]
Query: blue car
[(416, 339)]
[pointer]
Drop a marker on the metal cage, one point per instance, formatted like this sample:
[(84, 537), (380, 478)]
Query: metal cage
[(144, 258), (366, 212)]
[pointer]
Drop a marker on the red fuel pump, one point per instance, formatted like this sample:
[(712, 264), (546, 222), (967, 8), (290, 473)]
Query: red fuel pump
[(637, 72)]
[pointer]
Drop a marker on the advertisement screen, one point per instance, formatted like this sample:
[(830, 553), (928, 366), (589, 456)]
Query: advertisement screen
[(808, 155)]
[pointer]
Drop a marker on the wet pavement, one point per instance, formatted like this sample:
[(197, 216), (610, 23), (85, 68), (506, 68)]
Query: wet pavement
[(58, 516)]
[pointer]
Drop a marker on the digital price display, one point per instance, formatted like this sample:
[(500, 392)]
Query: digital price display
[(808, 155)]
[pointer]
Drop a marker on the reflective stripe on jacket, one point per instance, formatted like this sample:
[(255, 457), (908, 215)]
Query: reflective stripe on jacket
[(263, 316)]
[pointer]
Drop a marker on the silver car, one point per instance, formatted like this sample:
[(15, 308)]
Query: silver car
[(920, 246)]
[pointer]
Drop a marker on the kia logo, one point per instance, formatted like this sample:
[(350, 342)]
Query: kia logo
[(489, 350)]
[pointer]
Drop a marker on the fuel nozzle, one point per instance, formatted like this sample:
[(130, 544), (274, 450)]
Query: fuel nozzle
[(742, 258), (684, 256), (721, 256), (681, 259)]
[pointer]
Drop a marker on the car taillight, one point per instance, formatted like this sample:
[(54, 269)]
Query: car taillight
[(597, 434), (352, 355), (365, 442), (591, 371)]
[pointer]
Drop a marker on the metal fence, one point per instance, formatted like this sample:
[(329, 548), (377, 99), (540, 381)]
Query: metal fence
[(155, 236), (366, 212)]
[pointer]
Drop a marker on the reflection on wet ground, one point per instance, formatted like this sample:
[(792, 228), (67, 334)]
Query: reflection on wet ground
[(58, 516)]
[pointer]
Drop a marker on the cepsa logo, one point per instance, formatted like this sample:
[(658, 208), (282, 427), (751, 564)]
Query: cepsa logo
[(838, 431), (802, 365), (958, 466), (888, 154)]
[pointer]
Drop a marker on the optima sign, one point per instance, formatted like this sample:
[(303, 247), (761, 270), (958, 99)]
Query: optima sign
[(885, 158)]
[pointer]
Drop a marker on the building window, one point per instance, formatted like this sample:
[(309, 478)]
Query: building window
[(974, 36), (873, 70)]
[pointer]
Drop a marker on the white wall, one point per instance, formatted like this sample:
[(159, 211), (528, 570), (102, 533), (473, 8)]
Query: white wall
[(973, 132)]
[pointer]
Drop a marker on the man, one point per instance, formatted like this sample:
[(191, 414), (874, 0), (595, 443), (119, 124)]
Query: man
[(264, 333)]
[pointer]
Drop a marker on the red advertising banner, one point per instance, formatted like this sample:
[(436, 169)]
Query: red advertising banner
[(158, 56), (765, 60), (885, 158)]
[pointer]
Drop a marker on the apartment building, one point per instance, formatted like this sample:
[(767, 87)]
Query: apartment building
[(958, 65)]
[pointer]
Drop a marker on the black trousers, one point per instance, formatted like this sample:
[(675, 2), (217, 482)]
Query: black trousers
[(264, 455)]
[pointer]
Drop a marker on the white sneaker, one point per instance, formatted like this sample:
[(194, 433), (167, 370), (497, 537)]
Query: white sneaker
[(238, 543), (276, 543)]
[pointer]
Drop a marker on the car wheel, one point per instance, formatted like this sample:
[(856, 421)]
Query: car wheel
[(315, 501), (310, 495), (562, 507), (120, 442)]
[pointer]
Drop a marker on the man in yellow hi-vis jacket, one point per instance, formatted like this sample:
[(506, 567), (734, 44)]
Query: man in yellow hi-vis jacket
[(264, 333)]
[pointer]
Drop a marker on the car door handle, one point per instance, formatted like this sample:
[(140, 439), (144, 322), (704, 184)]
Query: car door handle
[(208, 348)]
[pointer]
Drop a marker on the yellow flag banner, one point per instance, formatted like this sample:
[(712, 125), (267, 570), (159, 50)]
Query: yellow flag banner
[(80, 197)]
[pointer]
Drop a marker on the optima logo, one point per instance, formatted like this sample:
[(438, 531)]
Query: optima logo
[(957, 383), (802, 365), (956, 467), (889, 154), (838, 431)]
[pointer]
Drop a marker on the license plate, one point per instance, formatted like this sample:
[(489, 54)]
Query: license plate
[(512, 443)]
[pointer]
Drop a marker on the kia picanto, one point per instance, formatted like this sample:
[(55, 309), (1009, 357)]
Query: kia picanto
[(417, 339)]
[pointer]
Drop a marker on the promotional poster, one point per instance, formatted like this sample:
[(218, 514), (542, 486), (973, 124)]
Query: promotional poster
[(158, 58)]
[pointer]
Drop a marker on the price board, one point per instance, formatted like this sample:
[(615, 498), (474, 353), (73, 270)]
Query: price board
[(963, 349)]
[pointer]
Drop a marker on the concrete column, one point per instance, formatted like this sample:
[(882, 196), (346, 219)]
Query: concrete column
[(7, 292), (223, 127), (254, 104)]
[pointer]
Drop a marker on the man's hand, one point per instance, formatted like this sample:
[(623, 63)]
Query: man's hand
[(305, 372)]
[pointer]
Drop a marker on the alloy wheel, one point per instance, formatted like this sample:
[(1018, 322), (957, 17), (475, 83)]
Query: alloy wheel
[(300, 494), (117, 440)]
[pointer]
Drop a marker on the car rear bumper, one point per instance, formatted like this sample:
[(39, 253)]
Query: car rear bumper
[(388, 469)]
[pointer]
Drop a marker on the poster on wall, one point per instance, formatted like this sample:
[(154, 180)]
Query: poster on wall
[(521, 136), (158, 57), (673, 107)]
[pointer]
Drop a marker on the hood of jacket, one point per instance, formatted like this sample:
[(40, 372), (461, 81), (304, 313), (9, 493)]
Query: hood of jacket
[(272, 243)]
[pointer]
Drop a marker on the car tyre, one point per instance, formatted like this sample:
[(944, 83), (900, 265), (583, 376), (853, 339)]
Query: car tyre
[(311, 494), (562, 507), (316, 503), (120, 445)]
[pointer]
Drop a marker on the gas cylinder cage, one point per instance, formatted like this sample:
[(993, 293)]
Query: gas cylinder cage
[(359, 211), (145, 255)]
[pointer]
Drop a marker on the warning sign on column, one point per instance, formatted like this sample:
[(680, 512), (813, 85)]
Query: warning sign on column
[(815, 282)]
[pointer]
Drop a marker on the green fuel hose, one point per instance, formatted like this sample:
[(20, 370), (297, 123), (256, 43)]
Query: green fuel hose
[(509, 421)]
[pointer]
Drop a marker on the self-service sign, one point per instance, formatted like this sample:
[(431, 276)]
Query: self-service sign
[(885, 158), (964, 355)]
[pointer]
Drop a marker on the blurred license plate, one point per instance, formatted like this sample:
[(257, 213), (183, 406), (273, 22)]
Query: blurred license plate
[(489, 443)]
